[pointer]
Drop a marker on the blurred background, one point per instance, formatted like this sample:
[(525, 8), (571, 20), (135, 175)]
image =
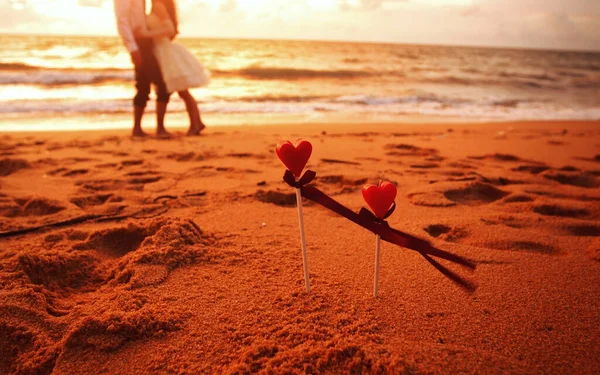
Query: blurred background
[(309, 60)]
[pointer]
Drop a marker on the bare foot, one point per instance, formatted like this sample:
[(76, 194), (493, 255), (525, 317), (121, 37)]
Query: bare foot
[(138, 133), (195, 130), (163, 134)]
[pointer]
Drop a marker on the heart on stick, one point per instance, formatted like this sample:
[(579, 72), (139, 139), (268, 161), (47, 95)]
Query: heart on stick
[(294, 156), (380, 197)]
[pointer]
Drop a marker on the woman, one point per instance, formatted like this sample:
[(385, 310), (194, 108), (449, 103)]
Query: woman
[(179, 68)]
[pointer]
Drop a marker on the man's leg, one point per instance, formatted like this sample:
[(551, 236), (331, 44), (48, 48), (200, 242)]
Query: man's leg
[(162, 95), (138, 113), (162, 100), (142, 84), (161, 110)]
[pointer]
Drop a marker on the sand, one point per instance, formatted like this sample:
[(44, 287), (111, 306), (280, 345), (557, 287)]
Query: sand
[(183, 257)]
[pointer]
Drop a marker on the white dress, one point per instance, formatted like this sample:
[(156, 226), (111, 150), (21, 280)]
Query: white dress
[(179, 67)]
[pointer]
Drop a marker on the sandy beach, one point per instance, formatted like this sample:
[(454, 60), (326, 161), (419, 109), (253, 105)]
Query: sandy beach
[(182, 256)]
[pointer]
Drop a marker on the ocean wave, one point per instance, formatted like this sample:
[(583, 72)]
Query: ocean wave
[(24, 74), (18, 66), (286, 73), (522, 76), (274, 98), (502, 110), (64, 107), (286, 104), (52, 78)]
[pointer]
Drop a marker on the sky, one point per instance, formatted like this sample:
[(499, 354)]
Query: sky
[(549, 24)]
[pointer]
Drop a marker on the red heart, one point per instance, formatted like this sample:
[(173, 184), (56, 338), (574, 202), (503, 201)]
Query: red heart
[(294, 157), (380, 198)]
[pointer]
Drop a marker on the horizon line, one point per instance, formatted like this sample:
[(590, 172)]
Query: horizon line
[(501, 47)]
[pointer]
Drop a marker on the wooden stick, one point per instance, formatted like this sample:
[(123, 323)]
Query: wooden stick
[(377, 254), (302, 239)]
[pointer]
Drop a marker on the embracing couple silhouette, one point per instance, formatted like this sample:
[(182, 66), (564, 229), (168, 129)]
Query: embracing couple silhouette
[(159, 61)]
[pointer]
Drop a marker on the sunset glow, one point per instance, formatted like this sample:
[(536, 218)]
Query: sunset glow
[(521, 23)]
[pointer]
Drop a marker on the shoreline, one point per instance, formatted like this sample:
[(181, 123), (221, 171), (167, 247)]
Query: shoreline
[(178, 121)]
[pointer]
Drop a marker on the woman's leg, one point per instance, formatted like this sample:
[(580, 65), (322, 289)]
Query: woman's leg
[(191, 106)]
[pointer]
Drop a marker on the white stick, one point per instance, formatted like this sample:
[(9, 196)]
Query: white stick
[(376, 288), (302, 240)]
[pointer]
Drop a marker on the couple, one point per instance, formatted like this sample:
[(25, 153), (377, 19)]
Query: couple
[(169, 66)]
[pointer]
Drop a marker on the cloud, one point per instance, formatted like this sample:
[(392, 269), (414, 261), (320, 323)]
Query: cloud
[(555, 24), (228, 6), (91, 3), (541, 23), (368, 5), (21, 13), (472, 10)]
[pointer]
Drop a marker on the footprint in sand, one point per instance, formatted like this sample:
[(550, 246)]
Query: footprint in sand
[(497, 156), (75, 172), (403, 149), (344, 184), (87, 201), (561, 211), (7, 149), (160, 244), (368, 158), (35, 206), (107, 165), (533, 169), (509, 221), (65, 172), (100, 185), (516, 245), (57, 171), (595, 158), (58, 271), (181, 156), (114, 243), (475, 194), (497, 180), (552, 194), (583, 230), (111, 152), (276, 197), (435, 230), (518, 198), (129, 163), (10, 166), (531, 166), (190, 156), (246, 155), (425, 166), (338, 161), (142, 173), (142, 180), (574, 178), (430, 199), (594, 250), (448, 194), (446, 233)]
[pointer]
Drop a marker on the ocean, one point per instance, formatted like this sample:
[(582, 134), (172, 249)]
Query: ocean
[(46, 76)]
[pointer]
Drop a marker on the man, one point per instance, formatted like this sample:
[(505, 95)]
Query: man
[(131, 15)]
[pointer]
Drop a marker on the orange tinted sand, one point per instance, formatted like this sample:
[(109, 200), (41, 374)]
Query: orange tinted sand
[(183, 256)]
